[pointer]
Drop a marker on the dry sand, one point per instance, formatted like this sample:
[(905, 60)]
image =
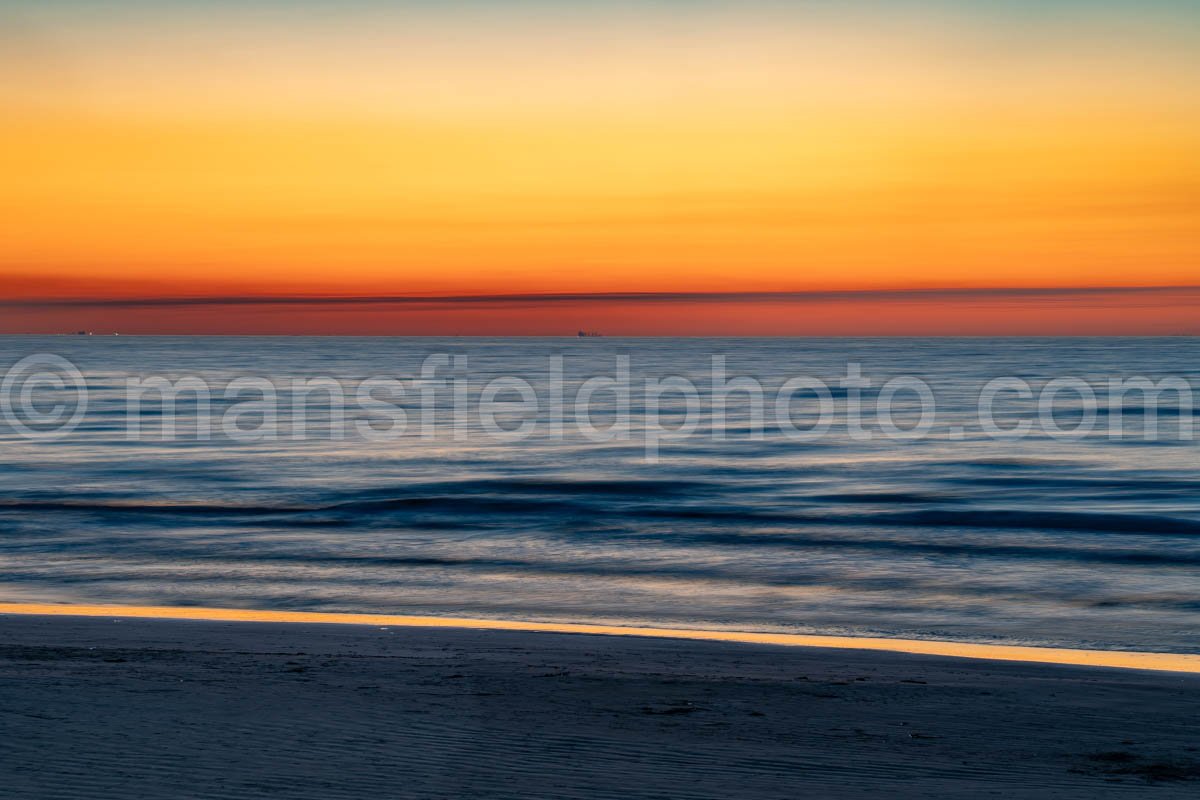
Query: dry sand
[(146, 708)]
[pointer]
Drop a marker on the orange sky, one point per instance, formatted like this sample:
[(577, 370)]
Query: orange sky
[(460, 150)]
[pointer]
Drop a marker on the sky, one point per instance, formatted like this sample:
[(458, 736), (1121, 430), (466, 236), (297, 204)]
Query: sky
[(533, 167)]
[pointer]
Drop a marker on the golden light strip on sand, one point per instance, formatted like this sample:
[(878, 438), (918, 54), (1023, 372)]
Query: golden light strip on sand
[(1167, 662)]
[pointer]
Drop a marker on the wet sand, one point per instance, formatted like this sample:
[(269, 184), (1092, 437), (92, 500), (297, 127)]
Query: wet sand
[(100, 707), (1170, 662)]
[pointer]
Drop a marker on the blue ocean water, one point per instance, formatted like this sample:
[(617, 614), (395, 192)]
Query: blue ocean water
[(1083, 541)]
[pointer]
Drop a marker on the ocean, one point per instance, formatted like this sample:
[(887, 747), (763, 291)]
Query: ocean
[(804, 510)]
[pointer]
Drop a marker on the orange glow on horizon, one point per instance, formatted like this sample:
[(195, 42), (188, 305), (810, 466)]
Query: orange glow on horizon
[(465, 151)]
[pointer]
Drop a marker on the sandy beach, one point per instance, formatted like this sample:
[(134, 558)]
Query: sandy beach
[(98, 707)]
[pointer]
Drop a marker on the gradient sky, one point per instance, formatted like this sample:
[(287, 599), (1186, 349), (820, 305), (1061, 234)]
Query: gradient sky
[(218, 151)]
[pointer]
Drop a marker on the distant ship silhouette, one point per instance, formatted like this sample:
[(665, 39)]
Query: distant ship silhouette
[(589, 334)]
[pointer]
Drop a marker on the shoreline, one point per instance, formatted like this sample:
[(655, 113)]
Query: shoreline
[(1116, 659)]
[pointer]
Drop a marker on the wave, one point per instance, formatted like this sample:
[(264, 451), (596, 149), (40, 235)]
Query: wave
[(1045, 520), (881, 498), (390, 510)]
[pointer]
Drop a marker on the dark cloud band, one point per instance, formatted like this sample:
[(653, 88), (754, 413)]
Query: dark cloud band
[(533, 299)]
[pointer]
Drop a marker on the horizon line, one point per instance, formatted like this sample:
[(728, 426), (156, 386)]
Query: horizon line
[(535, 298), (614, 336)]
